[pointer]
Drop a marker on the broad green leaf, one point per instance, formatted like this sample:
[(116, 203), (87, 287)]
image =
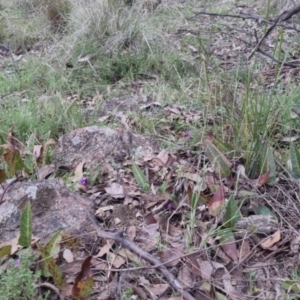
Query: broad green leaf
[(295, 159), (162, 188), (84, 281), (140, 178), (5, 250), (26, 226), (221, 163), (52, 249), (291, 285), (264, 211), (232, 213), (206, 287), (3, 176), (14, 161), (28, 164), (272, 166), (243, 194), (56, 273), (10, 160), (221, 296), (86, 287)]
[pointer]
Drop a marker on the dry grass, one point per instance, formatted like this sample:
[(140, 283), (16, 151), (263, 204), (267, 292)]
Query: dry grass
[(112, 47)]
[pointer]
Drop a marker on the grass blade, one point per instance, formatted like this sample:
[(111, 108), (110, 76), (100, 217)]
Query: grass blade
[(221, 163), (232, 213), (295, 159)]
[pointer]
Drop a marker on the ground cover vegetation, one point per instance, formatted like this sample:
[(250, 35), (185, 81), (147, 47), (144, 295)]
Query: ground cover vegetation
[(228, 126)]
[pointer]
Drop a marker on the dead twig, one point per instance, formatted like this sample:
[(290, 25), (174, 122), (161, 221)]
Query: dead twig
[(292, 64), (241, 16), (244, 17), (52, 288), (5, 190), (282, 17), (126, 243)]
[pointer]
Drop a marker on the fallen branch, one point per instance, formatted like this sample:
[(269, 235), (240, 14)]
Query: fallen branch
[(244, 17), (282, 17), (126, 243), (292, 64)]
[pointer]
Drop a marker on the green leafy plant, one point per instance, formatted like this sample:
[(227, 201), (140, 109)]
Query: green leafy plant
[(295, 161), (140, 178), (232, 213), (48, 251), (26, 227), (19, 282), (221, 163)]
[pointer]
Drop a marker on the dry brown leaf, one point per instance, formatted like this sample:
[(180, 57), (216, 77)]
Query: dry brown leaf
[(129, 256), (115, 190), (67, 290), (263, 179), (185, 277), (295, 245), (79, 171), (103, 119), (196, 178), (84, 280), (271, 240), (245, 249), (100, 265), (38, 153), (80, 187), (45, 171), (156, 164), (68, 255), (109, 290), (139, 292), (231, 250), (100, 211), (217, 202), (108, 168), (163, 156), (149, 236), (174, 230), (131, 232), (72, 268), (223, 277), (157, 289), (116, 260), (105, 249), (206, 269), (96, 189), (171, 257), (150, 219)]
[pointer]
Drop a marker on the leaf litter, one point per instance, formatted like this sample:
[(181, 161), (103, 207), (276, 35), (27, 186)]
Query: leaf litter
[(207, 221), (196, 212)]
